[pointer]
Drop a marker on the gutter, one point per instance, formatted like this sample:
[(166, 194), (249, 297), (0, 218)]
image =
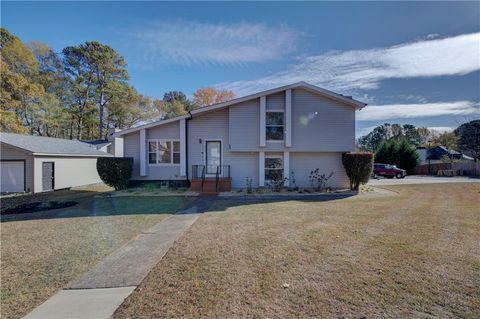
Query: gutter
[(186, 143)]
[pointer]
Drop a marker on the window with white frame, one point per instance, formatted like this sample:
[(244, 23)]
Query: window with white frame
[(274, 121), (273, 167), (163, 152)]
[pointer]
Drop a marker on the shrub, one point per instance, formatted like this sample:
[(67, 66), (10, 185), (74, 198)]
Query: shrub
[(293, 182), (398, 152), (115, 171), (249, 183), (318, 181), (276, 183), (358, 167)]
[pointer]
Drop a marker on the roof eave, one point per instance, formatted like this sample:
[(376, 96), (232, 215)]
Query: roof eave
[(349, 101), (72, 155)]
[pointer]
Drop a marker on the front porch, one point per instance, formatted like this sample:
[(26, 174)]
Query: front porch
[(211, 178)]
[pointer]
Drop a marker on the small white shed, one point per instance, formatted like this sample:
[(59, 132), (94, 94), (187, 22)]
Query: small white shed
[(38, 164)]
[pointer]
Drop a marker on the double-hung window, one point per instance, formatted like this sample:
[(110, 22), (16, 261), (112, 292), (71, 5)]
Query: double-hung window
[(163, 152), (273, 168), (274, 121)]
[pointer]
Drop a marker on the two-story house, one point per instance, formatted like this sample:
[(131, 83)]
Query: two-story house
[(284, 132)]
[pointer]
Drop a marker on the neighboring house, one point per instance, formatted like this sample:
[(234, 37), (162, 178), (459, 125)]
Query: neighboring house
[(295, 128), (438, 154), (37, 164)]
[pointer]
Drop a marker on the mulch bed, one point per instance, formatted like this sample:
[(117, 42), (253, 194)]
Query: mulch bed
[(37, 207)]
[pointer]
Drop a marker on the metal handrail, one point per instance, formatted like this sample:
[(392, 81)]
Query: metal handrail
[(203, 176), (217, 174), (217, 171)]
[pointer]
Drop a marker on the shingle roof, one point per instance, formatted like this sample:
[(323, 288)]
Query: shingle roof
[(50, 145)]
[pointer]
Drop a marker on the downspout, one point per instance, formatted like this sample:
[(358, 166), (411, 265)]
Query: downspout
[(186, 144)]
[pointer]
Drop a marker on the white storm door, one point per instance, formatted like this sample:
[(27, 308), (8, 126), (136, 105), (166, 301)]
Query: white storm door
[(213, 156)]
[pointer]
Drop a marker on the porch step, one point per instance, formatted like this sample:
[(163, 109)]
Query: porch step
[(211, 185), (209, 194)]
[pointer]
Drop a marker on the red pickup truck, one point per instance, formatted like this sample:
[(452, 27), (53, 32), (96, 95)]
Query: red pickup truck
[(387, 170)]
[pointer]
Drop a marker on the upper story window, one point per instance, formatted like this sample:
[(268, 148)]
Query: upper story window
[(275, 124), (163, 152)]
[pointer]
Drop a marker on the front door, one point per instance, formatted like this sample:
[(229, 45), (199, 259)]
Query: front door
[(48, 176), (213, 156)]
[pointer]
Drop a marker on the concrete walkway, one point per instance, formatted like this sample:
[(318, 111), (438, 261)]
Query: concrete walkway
[(101, 290)]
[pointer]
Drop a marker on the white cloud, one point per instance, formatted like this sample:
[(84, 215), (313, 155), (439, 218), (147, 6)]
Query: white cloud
[(397, 111), (188, 43), (411, 98), (349, 71)]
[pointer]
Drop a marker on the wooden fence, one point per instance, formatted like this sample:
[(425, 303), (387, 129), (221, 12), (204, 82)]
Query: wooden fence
[(464, 168)]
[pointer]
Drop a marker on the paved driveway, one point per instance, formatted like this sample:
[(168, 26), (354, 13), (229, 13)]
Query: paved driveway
[(421, 180)]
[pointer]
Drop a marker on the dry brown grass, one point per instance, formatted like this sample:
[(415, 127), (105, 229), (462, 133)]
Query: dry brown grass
[(413, 255), (40, 256)]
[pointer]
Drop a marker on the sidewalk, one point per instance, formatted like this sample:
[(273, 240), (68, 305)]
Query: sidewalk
[(98, 293)]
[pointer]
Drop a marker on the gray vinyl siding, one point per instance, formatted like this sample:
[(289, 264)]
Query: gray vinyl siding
[(214, 126), (331, 129), (131, 148), (303, 163), (167, 131), (276, 101), (154, 172), (207, 126), (244, 128), (317, 139), (10, 153), (243, 165)]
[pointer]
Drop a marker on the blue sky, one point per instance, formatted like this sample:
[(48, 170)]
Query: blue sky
[(411, 62)]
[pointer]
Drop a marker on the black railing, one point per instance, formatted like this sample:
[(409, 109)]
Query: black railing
[(210, 171)]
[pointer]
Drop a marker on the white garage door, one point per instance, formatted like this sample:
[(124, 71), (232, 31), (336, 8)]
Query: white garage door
[(12, 175)]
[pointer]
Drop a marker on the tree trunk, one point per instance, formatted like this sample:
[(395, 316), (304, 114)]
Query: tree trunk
[(102, 106)]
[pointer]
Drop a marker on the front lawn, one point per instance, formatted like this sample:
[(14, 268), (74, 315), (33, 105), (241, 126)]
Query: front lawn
[(40, 256), (414, 255)]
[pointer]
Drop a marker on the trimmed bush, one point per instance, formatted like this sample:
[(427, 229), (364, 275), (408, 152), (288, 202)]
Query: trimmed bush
[(115, 171), (358, 166), (398, 152)]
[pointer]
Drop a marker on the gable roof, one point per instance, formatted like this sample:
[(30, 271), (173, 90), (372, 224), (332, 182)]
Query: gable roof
[(329, 94), (41, 145)]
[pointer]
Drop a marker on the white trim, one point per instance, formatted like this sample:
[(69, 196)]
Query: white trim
[(288, 118), (164, 140), (205, 140), (148, 125), (70, 155), (263, 116), (261, 168), (275, 125), (286, 167), (143, 161), (301, 84), (280, 156), (348, 101), (183, 148)]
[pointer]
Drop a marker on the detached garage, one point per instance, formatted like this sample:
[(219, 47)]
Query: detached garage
[(38, 164)]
